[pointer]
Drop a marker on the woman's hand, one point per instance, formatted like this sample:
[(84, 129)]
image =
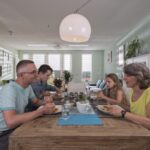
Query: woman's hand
[(115, 111)]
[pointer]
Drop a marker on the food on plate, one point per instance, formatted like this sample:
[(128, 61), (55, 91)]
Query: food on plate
[(106, 107), (52, 109), (55, 109), (50, 105)]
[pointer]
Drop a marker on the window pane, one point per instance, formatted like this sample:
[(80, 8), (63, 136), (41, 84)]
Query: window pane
[(26, 56), (121, 55), (86, 66), (67, 62), (39, 59), (54, 61)]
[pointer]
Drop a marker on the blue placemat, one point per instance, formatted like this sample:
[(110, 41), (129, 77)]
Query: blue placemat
[(81, 119)]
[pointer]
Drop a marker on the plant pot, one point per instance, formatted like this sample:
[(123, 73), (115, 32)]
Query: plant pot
[(83, 107)]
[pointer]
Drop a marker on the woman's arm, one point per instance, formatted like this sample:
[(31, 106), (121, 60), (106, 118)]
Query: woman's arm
[(144, 121)]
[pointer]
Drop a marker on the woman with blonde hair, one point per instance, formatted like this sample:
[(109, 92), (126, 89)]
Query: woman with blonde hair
[(137, 77)]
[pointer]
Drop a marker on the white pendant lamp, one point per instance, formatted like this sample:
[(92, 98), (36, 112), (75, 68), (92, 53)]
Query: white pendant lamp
[(75, 27)]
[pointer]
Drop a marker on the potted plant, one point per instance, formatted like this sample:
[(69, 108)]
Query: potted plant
[(133, 48), (83, 98), (67, 76), (83, 105)]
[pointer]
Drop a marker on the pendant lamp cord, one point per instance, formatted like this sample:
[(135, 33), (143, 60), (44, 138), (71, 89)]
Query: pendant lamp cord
[(78, 9)]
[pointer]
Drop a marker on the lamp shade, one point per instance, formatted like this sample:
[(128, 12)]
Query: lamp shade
[(75, 28)]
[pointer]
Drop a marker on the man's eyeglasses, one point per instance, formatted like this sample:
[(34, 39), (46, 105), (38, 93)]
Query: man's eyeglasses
[(32, 72)]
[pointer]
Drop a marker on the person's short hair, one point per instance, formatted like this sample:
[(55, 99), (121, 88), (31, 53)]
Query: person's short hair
[(22, 64), (44, 68), (141, 72)]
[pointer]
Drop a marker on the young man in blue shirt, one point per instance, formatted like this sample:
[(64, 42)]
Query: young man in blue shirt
[(40, 86)]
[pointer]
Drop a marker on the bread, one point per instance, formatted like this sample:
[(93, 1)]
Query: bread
[(55, 109), (106, 107)]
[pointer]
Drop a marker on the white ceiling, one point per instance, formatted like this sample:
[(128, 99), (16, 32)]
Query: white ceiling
[(24, 22)]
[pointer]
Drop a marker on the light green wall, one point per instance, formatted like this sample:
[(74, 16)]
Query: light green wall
[(110, 67), (97, 62), (142, 31), (76, 66), (98, 65)]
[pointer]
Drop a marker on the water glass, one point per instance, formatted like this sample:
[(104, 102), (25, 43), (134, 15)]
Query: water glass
[(88, 108), (65, 112)]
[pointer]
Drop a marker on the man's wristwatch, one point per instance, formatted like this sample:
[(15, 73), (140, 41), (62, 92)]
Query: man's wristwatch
[(123, 112)]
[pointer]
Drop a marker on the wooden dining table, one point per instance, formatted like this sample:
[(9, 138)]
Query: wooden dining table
[(44, 133)]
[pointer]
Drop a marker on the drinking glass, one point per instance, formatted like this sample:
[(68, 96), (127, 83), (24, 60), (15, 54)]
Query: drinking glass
[(65, 112)]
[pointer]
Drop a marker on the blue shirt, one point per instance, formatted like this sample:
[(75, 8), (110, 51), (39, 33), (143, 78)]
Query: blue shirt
[(14, 97), (39, 87)]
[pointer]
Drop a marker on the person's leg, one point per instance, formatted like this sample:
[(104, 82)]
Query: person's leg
[(4, 139), (4, 142)]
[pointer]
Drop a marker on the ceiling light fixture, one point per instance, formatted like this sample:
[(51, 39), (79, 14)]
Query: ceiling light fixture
[(75, 27), (78, 45), (38, 45)]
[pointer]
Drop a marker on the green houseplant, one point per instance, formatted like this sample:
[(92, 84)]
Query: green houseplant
[(133, 48), (67, 76), (82, 97)]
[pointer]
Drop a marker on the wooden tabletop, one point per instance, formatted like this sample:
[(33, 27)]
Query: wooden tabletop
[(44, 133)]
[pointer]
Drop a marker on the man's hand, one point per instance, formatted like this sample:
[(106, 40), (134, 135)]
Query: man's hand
[(48, 99), (46, 93), (47, 108)]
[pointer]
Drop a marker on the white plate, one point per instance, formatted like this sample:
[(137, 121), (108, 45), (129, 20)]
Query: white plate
[(52, 92), (59, 109), (104, 108), (93, 96)]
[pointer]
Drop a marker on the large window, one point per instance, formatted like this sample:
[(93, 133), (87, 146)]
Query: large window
[(39, 59), (121, 55), (58, 62), (86, 67), (54, 62), (6, 64), (26, 56), (67, 62)]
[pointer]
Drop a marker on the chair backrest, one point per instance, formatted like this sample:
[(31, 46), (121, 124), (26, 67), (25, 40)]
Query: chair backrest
[(98, 83), (102, 85)]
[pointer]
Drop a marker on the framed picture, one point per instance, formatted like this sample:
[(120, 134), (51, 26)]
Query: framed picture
[(0, 71), (109, 57)]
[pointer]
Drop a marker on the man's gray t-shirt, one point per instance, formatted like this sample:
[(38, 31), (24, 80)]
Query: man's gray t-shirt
[(14, 97)]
